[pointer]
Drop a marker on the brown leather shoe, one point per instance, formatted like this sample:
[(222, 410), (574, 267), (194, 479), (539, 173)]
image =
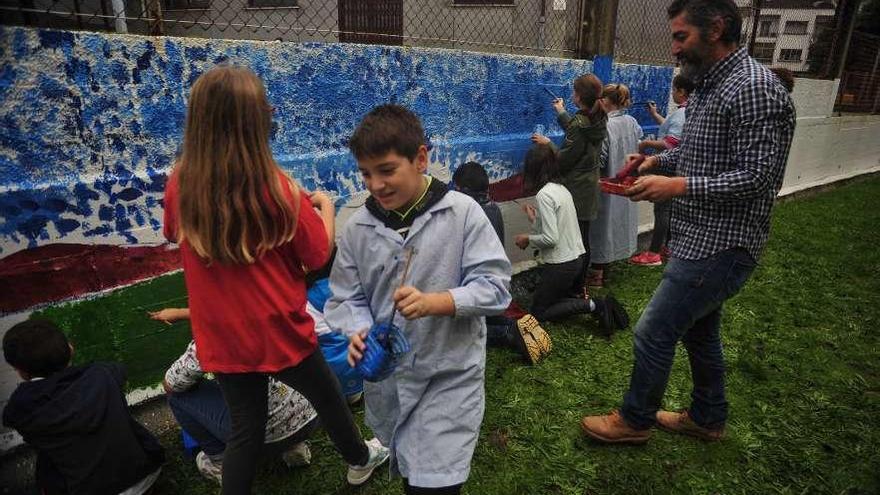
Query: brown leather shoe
[(612, 428), (681, 422)]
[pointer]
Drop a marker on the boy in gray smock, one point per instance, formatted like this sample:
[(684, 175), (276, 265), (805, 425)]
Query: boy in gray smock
[(430, 409)]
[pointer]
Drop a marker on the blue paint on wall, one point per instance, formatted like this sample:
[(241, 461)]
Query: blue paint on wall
[(85, 151)]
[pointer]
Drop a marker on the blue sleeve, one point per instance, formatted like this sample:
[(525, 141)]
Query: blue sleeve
[(675, 124)]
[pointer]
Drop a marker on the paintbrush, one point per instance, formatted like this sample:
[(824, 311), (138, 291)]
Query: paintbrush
[(409, 256)]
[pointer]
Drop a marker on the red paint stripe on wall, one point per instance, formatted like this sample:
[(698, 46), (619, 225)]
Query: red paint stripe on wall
[(60, 271), (507, 189)]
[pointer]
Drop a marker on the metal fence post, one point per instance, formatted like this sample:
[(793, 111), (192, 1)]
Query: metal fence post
[(153, 9), (756, 17), (876, 89)]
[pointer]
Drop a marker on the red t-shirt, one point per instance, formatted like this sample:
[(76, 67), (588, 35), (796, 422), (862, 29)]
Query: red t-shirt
[(252, 318)]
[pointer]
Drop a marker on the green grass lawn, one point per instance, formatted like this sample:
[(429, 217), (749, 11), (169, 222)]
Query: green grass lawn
[(801, 346)]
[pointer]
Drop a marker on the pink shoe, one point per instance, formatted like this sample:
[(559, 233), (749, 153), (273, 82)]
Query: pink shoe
[(646, 259)]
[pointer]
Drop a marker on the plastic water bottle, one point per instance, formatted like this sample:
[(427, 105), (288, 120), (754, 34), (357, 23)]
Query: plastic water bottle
[(539, 129)]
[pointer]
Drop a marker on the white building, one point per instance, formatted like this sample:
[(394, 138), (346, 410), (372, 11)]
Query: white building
[(787, 29)]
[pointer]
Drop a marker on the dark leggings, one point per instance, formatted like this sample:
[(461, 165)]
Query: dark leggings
[(559, 292), (415, 490), (662, 211), (245, 395)]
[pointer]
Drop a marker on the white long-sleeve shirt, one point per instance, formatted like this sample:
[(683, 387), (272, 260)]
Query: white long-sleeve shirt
[(555, 231)]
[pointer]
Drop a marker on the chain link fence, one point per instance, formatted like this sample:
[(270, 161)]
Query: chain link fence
[(860, 79), (534, 27), (806, 37)]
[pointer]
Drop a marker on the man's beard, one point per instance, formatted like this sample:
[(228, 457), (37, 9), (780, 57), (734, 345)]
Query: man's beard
[(695, 63), (694, 69)]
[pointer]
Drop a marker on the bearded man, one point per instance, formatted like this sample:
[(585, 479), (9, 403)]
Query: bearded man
[(725, 177)]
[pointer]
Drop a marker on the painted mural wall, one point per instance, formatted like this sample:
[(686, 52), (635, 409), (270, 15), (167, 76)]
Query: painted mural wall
[(90, 124)]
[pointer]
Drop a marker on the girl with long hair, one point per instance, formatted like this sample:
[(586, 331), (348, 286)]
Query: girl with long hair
[(247, 236)]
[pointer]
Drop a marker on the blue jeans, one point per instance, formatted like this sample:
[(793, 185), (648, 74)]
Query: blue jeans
[(202, 412), (685, 306)]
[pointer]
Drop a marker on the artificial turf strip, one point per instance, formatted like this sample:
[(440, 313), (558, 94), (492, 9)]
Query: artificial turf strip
[(801, 345), (115, 327)]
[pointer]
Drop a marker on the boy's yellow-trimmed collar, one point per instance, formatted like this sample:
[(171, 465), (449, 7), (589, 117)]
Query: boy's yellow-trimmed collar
[(416, 203)]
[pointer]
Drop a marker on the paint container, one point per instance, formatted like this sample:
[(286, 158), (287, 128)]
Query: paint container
[(623, 180), (539, 129), (385, 344), (385, 347)]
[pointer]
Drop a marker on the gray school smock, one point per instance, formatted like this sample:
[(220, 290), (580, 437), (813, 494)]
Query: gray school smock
[(614, 233), (428, 412)]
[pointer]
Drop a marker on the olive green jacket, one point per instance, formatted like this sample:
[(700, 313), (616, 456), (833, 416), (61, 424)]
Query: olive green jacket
[(579, 161)]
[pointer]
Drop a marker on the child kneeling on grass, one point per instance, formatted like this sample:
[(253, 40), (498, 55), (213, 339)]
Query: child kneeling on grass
[(76, 418), (197, 404), (556, 236), (523, 334), (429, 410)]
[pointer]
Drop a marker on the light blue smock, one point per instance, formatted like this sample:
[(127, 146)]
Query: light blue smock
[(430, 409), (673, 125), (614, 233)]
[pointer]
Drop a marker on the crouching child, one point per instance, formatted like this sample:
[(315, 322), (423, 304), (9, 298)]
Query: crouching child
[(76, 418)]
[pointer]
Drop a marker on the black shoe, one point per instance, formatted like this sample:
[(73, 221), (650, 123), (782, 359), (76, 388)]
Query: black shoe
[(619, 316), (611, 315), (604, 316)]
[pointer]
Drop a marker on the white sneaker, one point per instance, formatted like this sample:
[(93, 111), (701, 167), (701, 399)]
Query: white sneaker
[(297, 456), (358, 475), (209, 468)]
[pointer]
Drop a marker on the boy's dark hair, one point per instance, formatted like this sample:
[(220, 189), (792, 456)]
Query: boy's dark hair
[(387, 128), (683, 83), (701, 13), (539, 168), (472, 177), (785, 76), (37, 347)]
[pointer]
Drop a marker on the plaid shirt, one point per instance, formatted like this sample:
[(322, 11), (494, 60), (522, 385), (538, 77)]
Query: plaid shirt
[(737, 134)]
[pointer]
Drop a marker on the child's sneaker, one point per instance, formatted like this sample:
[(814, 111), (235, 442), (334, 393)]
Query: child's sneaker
[(209, 468), (358, 475), (297, 456), (646, 259)]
